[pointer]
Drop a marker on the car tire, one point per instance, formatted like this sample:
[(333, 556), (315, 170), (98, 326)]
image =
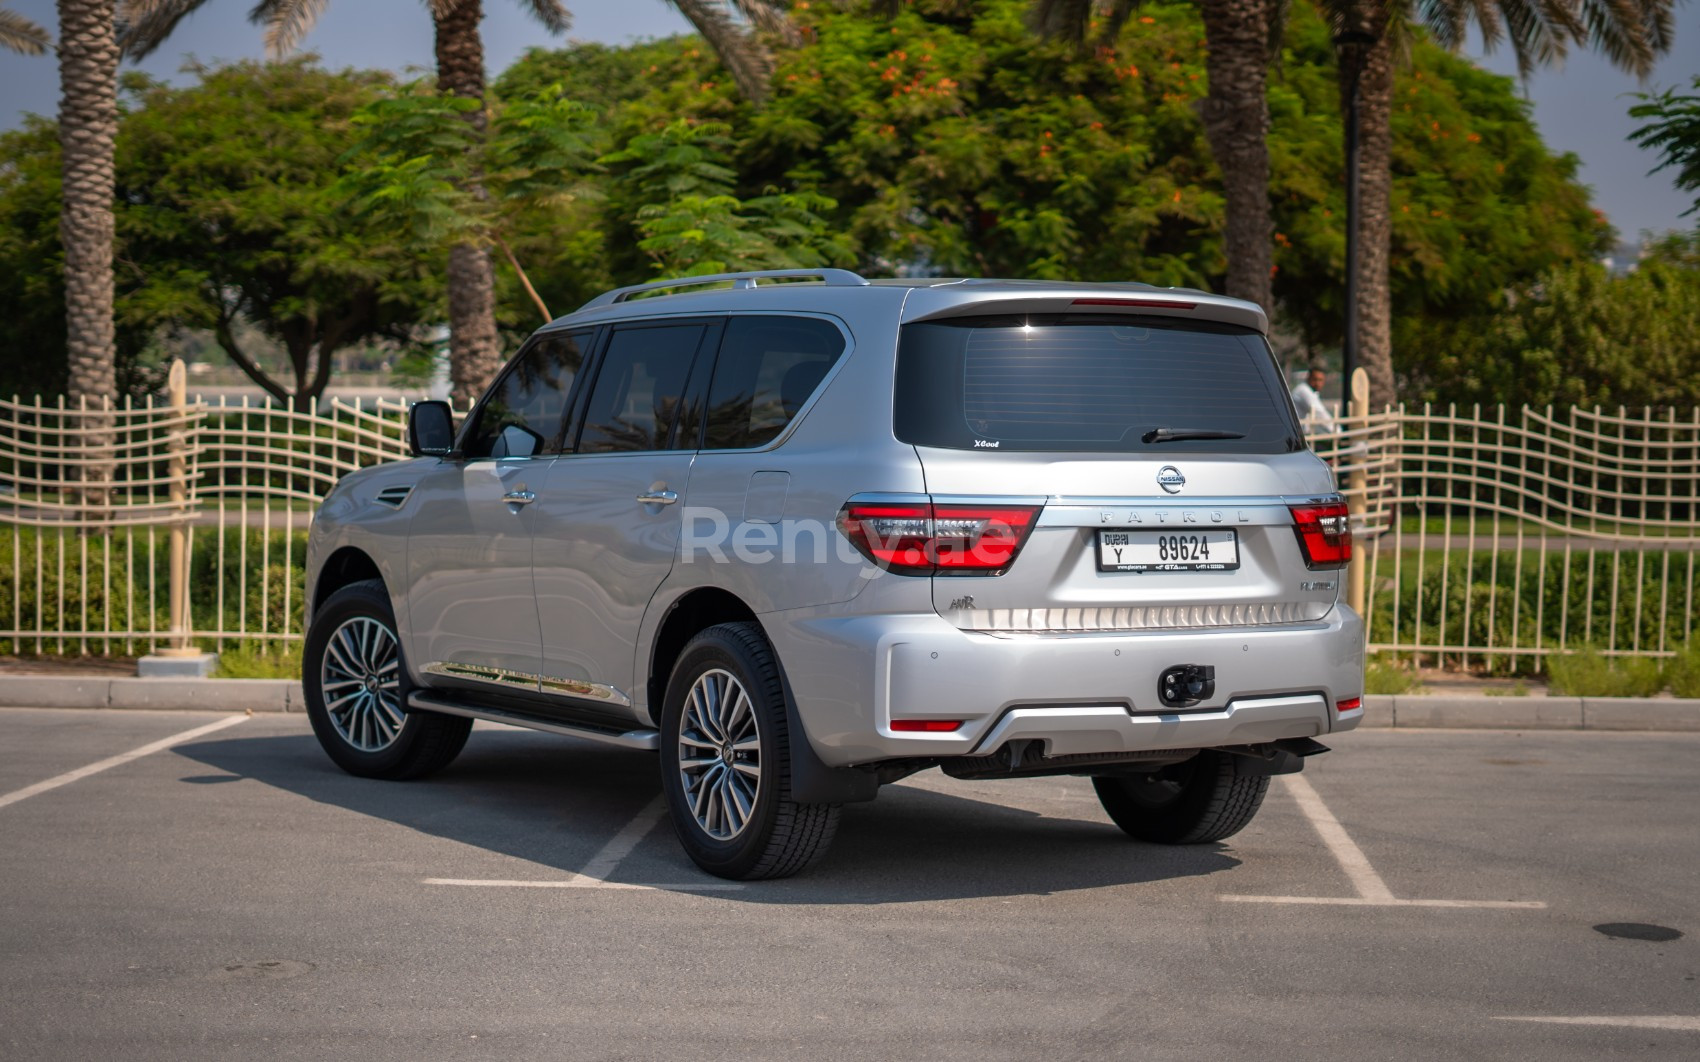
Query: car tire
[(1209, 797), (726, 761), (356, 684)]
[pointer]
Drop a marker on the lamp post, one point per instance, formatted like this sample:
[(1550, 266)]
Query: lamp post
[(1356, 39)]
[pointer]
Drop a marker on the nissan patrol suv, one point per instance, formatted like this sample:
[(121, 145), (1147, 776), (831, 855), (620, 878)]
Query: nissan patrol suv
[(803, 534)]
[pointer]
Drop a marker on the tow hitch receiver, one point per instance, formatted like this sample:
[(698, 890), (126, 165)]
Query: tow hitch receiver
[(1186, 685)]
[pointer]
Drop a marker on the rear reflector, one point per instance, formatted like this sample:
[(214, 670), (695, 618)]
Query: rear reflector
[(1163, 304), (1350, 704), (1325, 534), (923, 538), (926, 726)]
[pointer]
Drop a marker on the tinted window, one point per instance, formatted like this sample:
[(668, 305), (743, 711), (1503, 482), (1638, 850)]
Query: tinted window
[(523, 415), (639, 388), (768, 367), (1088, 383)]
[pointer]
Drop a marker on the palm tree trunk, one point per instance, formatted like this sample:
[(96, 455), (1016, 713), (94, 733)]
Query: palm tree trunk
[(474, 349), (1374, 64), (1236, 123), (88, 125)]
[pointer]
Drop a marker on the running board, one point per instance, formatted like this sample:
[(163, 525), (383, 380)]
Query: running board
[(648, 740)]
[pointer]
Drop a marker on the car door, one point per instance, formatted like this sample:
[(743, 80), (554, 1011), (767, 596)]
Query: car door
[(610, 510), (469, 594)]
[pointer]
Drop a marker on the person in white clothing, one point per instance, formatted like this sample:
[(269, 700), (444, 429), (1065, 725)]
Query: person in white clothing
[(1307, 399)]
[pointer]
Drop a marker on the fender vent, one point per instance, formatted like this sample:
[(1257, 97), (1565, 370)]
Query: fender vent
[(394, 497)]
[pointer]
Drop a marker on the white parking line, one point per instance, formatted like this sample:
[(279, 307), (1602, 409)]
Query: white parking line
[(579, 881), (621, 844), (113, 761), (601, 865), (1359, 901), (1350, 857), (1372, 891), (1676, 1022)]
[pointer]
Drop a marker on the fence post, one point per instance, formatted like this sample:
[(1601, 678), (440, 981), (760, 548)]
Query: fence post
[(1357, 489), (177, 472)]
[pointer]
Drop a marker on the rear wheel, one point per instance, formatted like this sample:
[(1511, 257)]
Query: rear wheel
[(356, 685), (726, 761), (1209, 797)]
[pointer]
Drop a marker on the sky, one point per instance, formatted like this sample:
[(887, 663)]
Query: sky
[(1581, 107)]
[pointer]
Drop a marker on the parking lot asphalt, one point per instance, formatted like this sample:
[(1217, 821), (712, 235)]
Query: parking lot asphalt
[(1425, 894)]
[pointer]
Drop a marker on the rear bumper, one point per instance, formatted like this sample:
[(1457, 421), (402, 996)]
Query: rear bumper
[(1078, 693)]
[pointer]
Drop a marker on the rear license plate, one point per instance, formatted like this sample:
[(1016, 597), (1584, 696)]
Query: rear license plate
[(1168, 551)]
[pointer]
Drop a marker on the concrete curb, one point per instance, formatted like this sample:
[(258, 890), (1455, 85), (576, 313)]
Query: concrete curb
[(83, 691), (1411, 712)]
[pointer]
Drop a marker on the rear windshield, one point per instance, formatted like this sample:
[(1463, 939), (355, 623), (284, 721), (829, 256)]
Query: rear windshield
[(1079, 383)]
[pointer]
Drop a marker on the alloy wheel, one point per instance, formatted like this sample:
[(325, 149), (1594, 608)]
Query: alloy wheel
[(360, 679), (720, 754)]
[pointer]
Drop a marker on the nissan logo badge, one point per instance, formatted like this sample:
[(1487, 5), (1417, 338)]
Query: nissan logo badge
[(1170, 479)]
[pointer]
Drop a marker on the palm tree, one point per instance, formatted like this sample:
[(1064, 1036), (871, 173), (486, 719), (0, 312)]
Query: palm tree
[(1630, 33), (19, 34), (1235, 112), (474, 348), (88, 127)]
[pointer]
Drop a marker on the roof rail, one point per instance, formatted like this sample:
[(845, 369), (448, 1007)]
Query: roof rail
[(831, 277)]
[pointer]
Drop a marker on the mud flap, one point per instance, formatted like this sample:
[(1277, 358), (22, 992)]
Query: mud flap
[(813, 782)]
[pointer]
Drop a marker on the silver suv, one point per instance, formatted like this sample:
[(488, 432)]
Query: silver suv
[(805, 534)]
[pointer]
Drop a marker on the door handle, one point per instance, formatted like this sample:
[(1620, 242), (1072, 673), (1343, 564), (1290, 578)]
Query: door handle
[(658, 497), (519, 497)]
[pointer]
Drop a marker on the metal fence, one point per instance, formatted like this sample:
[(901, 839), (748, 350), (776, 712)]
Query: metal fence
[(139, 527), (1520, 533), (1488, 538)]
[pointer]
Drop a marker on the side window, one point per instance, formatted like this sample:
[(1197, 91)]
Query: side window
[(523, 415), (768, 367), (639, 388)]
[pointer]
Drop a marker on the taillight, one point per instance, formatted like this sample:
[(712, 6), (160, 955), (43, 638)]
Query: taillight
[(895, 537), (922, 538), (926, 726), (1349, 704), (1325, 534)]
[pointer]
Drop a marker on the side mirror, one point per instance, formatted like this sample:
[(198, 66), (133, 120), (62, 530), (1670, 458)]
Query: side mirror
[(430, 429)]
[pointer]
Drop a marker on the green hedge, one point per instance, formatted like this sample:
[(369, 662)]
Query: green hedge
[(114, 592), (1582, 616)]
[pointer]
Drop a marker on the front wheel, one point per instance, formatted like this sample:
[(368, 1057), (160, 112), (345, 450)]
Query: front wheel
[(356, 686), (1209, 797), (726, 761)]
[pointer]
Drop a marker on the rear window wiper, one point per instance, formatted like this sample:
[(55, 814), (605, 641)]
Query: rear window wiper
[(1158, 435)]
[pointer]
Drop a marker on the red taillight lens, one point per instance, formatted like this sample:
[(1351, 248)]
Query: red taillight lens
[(895, 537), (1350, 704), (923, 538), (1325, 534), (974, 538), (926, 726)]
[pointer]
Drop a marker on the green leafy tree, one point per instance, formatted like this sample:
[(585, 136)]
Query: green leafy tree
[(1238, 36), (1673, 130), (32, 275), (1578, 335), (693, 223), (1478, 204), (32, 285), (230, 213), (959, 145), (1630, 33), (737, 31), (420, 167)]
